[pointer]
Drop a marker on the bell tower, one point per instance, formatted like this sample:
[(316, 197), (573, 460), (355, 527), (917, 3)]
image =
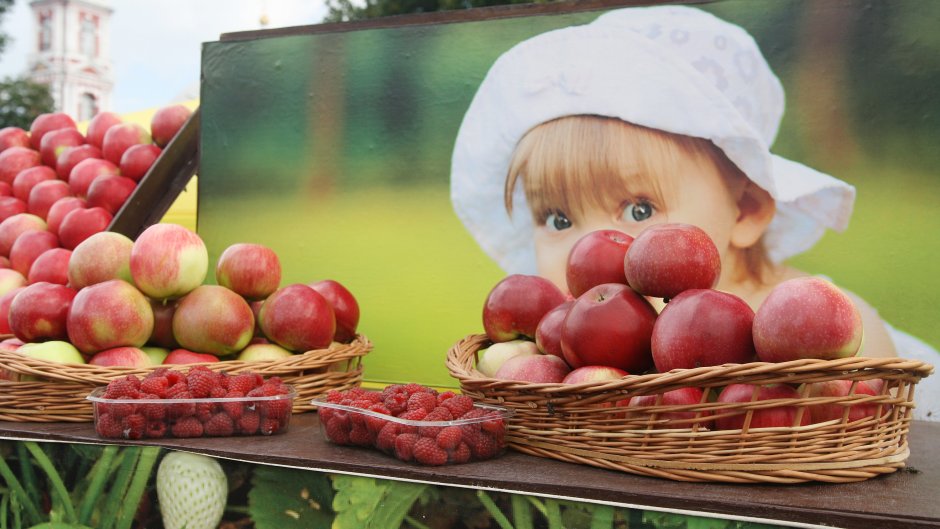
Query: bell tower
[(73, 54)]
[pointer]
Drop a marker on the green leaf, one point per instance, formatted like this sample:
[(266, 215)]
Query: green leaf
[(283, 498), (398, 499), (367, 503)]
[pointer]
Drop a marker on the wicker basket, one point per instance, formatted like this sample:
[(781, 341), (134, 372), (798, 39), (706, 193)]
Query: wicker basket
[(59, 390), (584, 424)]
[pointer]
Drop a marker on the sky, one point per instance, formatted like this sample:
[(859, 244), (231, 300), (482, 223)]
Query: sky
[(156, 46)]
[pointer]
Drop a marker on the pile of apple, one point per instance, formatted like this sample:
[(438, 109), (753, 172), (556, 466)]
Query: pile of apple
[(143, 302), (608, 328), (59, 186)]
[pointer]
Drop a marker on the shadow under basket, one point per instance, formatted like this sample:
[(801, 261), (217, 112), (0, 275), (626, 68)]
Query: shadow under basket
[(590, 424), (55, 392)]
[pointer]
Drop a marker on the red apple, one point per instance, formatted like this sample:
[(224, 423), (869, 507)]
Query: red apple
[(137, 160), (772, 417), (677, 397), (110, 192), (99, 125), (183, 356), (842, 388), (10, 206), (11, 344), (585, 374), (5, 301), (609, 325), (666, 259), (345, 308), (13, 137), (548, 331), (162, 335), (251, 270), (27, 178), (494, 356), (10, 279), (28, 247), (60, 209), (56, 141), (213, 319), (104, 256), (534, 368), (109, 314), (703, 327), (121, 137), (44, 195), (52, 266), (166, 123), (256, 310), (45, 123), (298, 318), (595, 259), (39, 312), (86, 171), (80, 224), (120, 356), (14, 226), (70, 158), (4, 262), (806, 317), (263, 352), (6, 190), (168, 261), (514, 307), (16, 159)]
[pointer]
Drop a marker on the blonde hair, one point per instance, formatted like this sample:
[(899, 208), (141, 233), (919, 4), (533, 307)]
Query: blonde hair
[(559, 163)]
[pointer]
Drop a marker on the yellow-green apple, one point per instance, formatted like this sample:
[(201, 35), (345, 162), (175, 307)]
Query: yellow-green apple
[(261, 352), (772, 417), (29, 246), (5, 301), (168, 261), (60, 209), (298, 318), (156, 354), (533, 368), (99, 125), (185, 356), (15, 160), (44, 195), (52, 351), (121, 137), (666, 259), (688, 396), (844, 388), (345, 308), (494, 356), (86, 171), (703, 327), (162, 335), (166, 123), (14, 226), (251, 270), (52, 266), (101, 257), (548, 331), (110, 192), (70, 158), (595, 259), (9, 206), (609, 325), (13, 137), (806, 317), (213, 319), (10, 279), (54, 142), (515, 305), (109, 314), (121, 356), (24, 181), (48, 122), (81, 223), (137, 160)]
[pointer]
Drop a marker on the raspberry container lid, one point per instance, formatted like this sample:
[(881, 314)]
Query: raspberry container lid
[(504, 413), (97, 396)]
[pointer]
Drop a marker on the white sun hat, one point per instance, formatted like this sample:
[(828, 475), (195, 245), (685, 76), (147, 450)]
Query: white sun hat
[(673, 68)]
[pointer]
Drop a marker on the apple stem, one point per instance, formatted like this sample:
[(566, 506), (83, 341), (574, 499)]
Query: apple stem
[(665, 300)]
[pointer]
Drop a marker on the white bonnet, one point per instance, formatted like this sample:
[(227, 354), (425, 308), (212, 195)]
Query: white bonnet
[(673, 68)]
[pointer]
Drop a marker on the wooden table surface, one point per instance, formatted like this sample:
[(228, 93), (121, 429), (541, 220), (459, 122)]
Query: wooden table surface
[(907, 498)]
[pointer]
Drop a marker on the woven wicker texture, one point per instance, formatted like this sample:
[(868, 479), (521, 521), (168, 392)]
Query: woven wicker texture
[(57, 391), (583, 423)]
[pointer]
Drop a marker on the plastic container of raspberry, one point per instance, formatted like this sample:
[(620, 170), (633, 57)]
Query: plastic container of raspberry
[(187, 418), (477, 436)]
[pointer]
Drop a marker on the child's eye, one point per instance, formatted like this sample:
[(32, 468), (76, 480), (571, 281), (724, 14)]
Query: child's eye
[(639, 211), (557, 221)]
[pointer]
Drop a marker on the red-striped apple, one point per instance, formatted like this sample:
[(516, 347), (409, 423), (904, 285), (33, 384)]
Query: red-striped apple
[(345, 308), (533, 368), (137, 160), (675, 419), (772, 417), (26, 179), (80, 224), (110, 192), (121, 137), (120, 356), (185, 356), (298, 318), (72, 156), (166, 123), (251, 270), (514, 307), (55, 142), (101, 257), (86, 171), (16, 159), (14, 226), (843, 388), (52, 266), (13, 137), (44, 195), (99, 125), (109, 314), (213, 319), (9, 206), (48, 122), (168, 261), (39, 312), (28, 247), (666, 259), (60, 209)]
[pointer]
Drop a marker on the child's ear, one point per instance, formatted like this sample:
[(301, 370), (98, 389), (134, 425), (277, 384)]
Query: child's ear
[(756, 209)]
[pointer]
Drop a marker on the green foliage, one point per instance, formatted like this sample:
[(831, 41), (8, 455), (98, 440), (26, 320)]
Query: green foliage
[(21, 100), (366, 503), (346, 10), (663, 520), (283, 498)]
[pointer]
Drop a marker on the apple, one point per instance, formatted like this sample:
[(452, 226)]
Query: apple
[(45, 123), (10, 206), (110, 192), (156, 354), (44, 195), (24, 181), (251, 270), (11, 344), (137, 160), (60, 209), (4, 262), (5, 301), (609, 325), (514, 307), (494, 356), (167, 122), (688, 396), (298, 318), (772, 417), (666, 259), (54, 142), (107, 315), (213, 319), (548, 331), (533, 368), (703, 327), (52, 266), (842, 388), (168, 261), (13, 137), (80, 224), (262, 352), (28, 247), (345, 308), (71, 156), (121, 137), (10, 279), (52, 351), (595, 259), (86, 171), (99, 125), (184, 356), (162, 335), (15, 160), (101, 257), (6, 190), (122, 357), (256, 310), (585, 374), (14, 226)]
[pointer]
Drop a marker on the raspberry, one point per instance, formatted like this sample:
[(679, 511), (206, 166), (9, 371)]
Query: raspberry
[(132, 426), (333, 396), (449, 437), (204, 411), (218, 392), (155, 429), (220, 425), (427, 452), (439, 414), (119, 410), (155, 386), (244, 382), (234, 409), (385, 440), (269, 426), (425, 401), (277, 409), (174, 377), (374, 424), (414, 415), (458, 405), (181, 409), (132, 380), (461, 454), (397, 403), (337, 432), (152, 411), (447, 395), (179, 388), (249, 422), (359, 435), (200, 383), (404, 446), (494, 424), (413, 388), (187, 427), (107, 426), (484, 447), (122, 388)]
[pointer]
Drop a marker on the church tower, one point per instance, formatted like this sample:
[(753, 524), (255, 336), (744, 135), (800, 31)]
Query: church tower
[(73, 54)]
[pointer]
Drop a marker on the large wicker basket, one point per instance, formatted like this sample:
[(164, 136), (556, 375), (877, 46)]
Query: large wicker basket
[(585, 424), (59, 390)]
